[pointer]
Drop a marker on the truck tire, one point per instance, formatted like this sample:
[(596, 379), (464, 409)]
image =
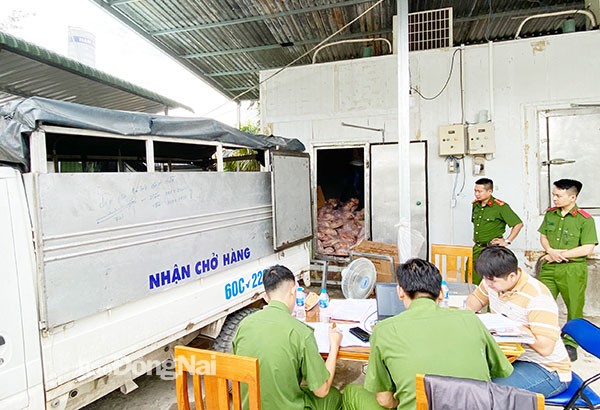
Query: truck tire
[(223, 342)]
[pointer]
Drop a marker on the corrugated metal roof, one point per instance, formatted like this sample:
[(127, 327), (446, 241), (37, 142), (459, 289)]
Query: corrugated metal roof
[(28, 70), (227, 42)]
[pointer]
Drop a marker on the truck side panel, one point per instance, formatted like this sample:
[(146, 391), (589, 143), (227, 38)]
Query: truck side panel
[(89, 348), (109, 239), (129, 264)]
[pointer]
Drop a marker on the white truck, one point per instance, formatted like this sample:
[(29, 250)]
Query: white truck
[(104, 271)]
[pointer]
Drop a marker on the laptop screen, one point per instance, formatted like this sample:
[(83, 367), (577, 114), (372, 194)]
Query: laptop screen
[(388, 303), (460, 288)]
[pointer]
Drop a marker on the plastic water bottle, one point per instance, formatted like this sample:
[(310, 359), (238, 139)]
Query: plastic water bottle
[(300, 307), (446, 292), (323, 306)]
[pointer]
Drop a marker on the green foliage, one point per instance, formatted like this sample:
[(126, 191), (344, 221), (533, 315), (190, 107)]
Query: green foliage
[(250, 127), (250, 165)]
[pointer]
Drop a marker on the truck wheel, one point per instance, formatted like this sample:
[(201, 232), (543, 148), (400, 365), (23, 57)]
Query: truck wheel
[(223, 342)]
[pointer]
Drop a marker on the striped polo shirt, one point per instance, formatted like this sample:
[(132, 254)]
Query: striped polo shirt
[(531, 303)]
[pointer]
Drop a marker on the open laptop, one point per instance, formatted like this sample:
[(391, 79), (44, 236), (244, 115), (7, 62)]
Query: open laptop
[(460, 288), (458, 292), (388, 303)]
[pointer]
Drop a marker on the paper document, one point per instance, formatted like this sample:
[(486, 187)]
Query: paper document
[(350, 309), (322, 335), (505, 329)]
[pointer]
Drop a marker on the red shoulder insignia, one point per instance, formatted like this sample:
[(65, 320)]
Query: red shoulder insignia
[(499, 202), (584, 214), (552, 208)]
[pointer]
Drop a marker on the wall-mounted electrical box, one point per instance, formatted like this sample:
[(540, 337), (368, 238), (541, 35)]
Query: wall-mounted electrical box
[(481, 139), (452, 139)]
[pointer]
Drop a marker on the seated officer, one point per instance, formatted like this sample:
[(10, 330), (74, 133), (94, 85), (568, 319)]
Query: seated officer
[(424, 339), (287, 351), (544, 367)]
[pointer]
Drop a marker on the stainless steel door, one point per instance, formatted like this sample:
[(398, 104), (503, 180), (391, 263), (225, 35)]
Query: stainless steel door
[(290, 185), (571, 150), (384, 192)]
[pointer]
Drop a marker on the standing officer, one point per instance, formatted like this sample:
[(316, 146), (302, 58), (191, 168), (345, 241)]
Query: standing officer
[(568, 235), (490, 217)]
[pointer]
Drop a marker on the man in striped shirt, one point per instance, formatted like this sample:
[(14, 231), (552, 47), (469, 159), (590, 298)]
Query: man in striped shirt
[(544, 367)]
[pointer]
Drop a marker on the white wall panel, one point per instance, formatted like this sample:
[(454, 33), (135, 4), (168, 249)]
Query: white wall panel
[(529, 75)]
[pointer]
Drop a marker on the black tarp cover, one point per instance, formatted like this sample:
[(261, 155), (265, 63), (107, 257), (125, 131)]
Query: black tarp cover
[(18, 118)]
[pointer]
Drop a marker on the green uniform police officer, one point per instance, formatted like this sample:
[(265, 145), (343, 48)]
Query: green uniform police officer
[(287, 351), (568, 235), (427, 339), (490, 217)]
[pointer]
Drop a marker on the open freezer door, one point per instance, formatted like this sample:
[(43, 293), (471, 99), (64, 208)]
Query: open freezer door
[(384, 193), (290, 187)]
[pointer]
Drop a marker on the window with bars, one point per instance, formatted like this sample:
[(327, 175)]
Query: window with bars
[(430, 29)]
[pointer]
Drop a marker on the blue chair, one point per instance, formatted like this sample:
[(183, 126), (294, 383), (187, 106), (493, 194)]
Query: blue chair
[(578, 394)]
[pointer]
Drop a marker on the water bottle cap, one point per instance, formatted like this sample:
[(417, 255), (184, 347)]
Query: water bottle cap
[(444, 282), (299, 288), (323, 290)]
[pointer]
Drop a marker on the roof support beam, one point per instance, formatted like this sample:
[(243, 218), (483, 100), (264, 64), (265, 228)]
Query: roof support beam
[(240, 88), (278, 46), (252, 19), (238, 72), (517, 13), (113, 3)]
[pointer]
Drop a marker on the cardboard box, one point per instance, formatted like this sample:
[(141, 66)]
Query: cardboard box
[(383, 266), (320, 197)]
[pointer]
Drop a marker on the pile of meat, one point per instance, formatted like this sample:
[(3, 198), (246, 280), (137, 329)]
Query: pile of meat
[(341, 227)]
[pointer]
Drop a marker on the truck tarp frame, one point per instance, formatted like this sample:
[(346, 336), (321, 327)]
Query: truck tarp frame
[(20, 117)]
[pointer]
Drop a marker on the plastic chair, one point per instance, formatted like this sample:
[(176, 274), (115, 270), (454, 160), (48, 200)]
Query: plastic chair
[(453, 261), (422, 401), (579, 394), (216, 368)]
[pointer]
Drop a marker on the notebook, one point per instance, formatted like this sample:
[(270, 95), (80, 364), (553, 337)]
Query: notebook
[(388, 303)]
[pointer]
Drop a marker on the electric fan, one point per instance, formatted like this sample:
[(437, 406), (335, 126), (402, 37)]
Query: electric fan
[(358, 279)]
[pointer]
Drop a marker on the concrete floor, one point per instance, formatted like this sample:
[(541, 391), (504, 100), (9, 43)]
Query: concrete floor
[(157, 394)]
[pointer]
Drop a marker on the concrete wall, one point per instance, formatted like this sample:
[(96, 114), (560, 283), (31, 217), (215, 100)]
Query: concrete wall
[(311, 102)]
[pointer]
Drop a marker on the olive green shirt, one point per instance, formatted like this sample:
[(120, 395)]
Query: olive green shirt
[(489, 221), (429, 339), (574, 229), (287, 352)]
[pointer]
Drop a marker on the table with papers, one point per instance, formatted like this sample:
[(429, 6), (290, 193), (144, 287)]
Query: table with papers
[(345, 313), (348, 313)]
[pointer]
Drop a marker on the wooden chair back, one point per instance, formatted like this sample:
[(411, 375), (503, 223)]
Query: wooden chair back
[(211, 372), (453, 261), (421, 395), (423, 403)]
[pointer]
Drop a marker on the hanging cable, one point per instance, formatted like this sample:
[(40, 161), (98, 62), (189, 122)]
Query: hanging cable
[(464, 177), (300, 57), (459, 170), (447, 80)]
